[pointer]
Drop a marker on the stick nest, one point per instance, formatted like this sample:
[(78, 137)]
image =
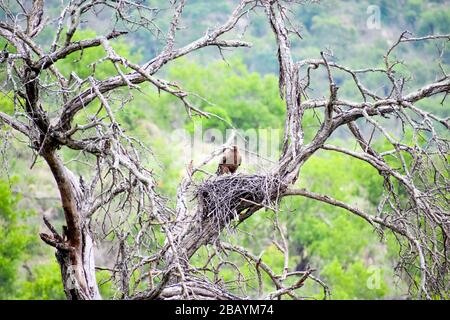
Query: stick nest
[(226, 197)]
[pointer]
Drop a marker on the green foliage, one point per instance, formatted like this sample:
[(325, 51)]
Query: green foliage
[(273, 257), (15, 237), (6, 103), (354, 281), (19, 242), (85, 61), (244, 99), (104, 284), (434, 21), (44, 283), (334, 240)]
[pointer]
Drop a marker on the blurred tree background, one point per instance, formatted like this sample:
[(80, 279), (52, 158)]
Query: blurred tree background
[(243, 91)]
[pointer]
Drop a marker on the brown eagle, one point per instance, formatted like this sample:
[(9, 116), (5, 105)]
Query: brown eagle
[(231, 160)]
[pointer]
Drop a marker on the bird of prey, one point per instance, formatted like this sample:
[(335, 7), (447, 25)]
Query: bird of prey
[(230, 161)]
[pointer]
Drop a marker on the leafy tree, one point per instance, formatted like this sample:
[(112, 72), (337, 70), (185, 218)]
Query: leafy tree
[(231, 93), (23, 274), (16, 237), (43, 283)]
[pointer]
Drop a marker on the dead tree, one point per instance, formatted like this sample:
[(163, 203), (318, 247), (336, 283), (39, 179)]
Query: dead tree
[(120, 197)]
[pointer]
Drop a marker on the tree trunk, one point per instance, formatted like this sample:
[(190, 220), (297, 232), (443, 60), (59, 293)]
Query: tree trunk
[(75, 251)]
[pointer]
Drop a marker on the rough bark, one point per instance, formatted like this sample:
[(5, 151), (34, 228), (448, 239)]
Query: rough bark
[(75, 250)]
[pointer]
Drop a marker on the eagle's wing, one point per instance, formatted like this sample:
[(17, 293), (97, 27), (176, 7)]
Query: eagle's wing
[(239, 159), (222, 163), (223, 160)]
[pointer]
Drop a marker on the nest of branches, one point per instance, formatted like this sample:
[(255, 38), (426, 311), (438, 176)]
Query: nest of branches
[(226, 197)]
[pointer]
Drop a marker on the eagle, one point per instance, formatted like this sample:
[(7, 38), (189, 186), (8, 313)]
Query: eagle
[(230, 161)]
